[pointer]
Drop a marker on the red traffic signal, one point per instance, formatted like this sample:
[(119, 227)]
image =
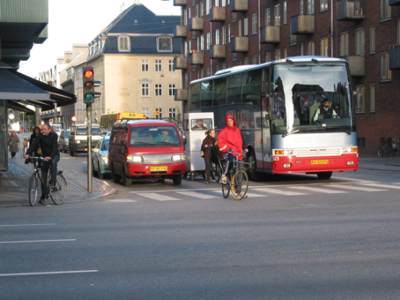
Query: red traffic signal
[(88, 73), (88, 85)]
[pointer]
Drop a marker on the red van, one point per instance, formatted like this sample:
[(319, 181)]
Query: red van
[(146, 148)]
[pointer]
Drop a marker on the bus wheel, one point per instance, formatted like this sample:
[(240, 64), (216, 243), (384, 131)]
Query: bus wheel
[(177, 180), (251, 170), (324, 175)]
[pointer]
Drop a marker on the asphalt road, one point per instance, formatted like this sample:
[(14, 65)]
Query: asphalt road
[(293, 238)]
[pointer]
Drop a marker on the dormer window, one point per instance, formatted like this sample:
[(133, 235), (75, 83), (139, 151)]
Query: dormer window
[(164, 44), (124, 44)]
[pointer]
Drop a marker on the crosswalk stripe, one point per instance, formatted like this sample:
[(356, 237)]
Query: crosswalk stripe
[(254, 195), (385, 186), (318, 190), (356, 188), (196, 195), (158, 197), (278, 191)]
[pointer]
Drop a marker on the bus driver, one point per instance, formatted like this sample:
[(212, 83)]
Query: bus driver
[(325, 111)]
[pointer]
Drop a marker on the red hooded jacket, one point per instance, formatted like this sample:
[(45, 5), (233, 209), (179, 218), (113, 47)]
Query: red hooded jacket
[(230, 138)]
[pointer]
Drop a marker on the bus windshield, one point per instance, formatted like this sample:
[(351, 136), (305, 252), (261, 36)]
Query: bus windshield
[(83, 131), (310, 98)]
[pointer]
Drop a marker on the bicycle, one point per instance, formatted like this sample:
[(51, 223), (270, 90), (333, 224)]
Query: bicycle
[(237, 180), (56, 194)]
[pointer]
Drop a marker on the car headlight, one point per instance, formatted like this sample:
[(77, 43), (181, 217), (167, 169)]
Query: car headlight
[(178, 157), (134, 158), (78, 141), (105, 159)]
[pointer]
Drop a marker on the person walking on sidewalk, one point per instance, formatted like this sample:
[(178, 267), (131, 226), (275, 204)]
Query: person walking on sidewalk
[(48, 145), (33, 139), (13, 144), (208, 148)]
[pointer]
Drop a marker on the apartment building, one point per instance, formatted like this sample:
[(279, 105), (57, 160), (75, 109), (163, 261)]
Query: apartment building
[(216, 34), (134, 60)]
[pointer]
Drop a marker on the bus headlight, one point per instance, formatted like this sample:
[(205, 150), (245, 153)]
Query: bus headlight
[(134, 159), (178, 157), (287, 165), (350, 150)]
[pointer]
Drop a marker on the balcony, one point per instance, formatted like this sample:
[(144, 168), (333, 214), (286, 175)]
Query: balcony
[(302, 24), (394, 2), (180, 2), (181, 95), (356, 65), (394, 58), (350, 10), (197, 24), (239, 5), (197, 58), (180, 62), (181, 31), (270, 35), (218, 51), (240, 44), (218, 14)]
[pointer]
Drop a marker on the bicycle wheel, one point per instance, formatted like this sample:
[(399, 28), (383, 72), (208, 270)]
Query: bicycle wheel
[(34, 190), (57, 194), (240, 184), (226, 188)]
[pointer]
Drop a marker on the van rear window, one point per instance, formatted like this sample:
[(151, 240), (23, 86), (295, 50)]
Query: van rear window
[(149, 136)]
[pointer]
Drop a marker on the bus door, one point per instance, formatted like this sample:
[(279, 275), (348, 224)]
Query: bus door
[(3, 137), (266, 142), (197, 125)]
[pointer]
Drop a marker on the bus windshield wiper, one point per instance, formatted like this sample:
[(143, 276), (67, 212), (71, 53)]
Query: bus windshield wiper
[(288, 132)]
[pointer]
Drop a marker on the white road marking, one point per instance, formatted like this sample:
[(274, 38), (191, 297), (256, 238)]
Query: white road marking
[(196, 195), (318, 190), (48, 273), (356, 188), (385, 186), (38, 241), (253, 195), (121, 201), (278, 191), (27, 225), (12, 183), (158, 197)]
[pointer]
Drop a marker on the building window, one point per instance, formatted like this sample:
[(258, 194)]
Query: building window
[(398, 33), (208, 38), (386, 74), (277, 54), (159, 113), (360, 42), (202, 43), (145, 89), (324, 5), (344, 44), (277, 14), (268, 18), (223, 30), (292, 39), (217, 37), (284, 12), (360, 100), (245, 26), (301, 7), (158, 89), (311, 48), (385, 10), (372, 98), (145, 65), (124, 44), (158, 65), (310, 7), (172, 113), (268, 57), (324, 51), (164, 44), (208, 6), (172, 90), (171, 65), (254, 23), (372, 48), (302, 49)]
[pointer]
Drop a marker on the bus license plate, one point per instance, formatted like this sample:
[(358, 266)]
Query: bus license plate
[(320, 162), (159, 169)]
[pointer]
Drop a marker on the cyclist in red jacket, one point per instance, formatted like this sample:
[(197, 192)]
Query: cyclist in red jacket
[(230, 143)]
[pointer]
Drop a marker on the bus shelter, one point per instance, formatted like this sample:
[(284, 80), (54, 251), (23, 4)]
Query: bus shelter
[(17, 91)]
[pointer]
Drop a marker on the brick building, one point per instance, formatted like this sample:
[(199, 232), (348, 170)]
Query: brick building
[(222, 33)]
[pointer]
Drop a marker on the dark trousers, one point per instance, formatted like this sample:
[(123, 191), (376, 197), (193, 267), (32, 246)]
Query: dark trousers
[(207, 161), (52, 165), (13, 154)]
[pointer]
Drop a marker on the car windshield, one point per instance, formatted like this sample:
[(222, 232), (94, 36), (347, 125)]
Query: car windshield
[(105, 144), (148, 136), (310, 97), (83, 131)]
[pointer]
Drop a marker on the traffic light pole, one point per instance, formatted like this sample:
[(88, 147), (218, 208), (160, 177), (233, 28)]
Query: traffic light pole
[(89, 150)]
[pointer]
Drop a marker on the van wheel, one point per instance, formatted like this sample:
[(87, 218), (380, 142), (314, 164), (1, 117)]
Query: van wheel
[(324, 175), (125, 180), (177, 180)]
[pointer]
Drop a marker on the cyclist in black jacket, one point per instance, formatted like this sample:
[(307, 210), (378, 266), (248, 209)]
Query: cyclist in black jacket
[(47, 142)]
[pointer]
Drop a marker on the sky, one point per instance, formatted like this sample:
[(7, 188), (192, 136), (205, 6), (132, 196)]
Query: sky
[(77, 22)]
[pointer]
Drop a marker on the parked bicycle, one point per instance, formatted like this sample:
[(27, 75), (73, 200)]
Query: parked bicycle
[(236, 182), (55, 194)]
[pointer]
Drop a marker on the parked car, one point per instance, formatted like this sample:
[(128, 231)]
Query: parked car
[(100, 157), (63, 140), (146, 148), (78, 138)]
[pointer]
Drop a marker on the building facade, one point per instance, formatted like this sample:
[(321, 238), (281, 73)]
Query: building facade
[(217, 34), (134, 60)]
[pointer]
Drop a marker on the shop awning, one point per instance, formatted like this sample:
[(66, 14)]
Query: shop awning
[(17, 87)]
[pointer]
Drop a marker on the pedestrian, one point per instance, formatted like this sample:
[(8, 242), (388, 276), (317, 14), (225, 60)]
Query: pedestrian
[(34, 139), (13, 143), (25, 145), (208, 149)]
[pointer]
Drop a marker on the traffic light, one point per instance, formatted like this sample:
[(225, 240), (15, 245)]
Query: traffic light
[(88, 85)]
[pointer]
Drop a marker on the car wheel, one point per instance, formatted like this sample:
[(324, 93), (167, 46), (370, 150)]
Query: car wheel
[(177, 180)]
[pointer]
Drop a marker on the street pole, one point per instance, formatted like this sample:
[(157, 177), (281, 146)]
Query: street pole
[(89, 145), (332, 33)]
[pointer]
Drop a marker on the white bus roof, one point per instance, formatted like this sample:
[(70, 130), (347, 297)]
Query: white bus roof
[(288, 60)]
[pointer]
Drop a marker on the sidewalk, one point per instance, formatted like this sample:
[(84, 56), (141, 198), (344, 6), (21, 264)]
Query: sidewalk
[(14, 184), (382, 164)]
